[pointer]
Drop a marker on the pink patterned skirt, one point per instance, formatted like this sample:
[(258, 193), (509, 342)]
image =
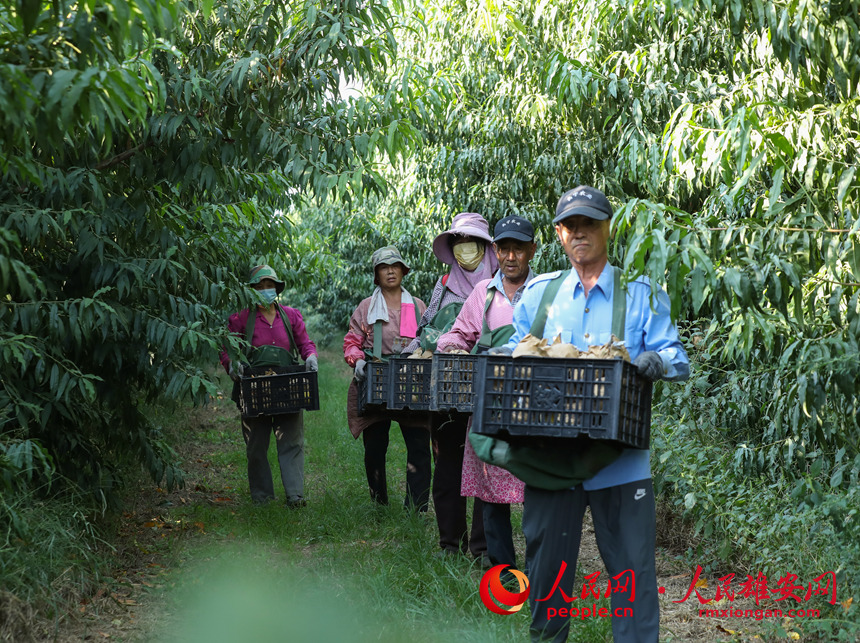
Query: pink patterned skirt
[(489, 483)]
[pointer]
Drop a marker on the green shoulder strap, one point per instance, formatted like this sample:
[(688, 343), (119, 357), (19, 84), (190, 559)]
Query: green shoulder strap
[(377, 334), (549, 294), (249, 331), (377, 340), (619, 304)]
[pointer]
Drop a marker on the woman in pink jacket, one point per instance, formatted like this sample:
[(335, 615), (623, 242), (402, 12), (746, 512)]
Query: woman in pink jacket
[(380, 327)]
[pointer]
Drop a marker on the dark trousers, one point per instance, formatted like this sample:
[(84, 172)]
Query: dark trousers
[(290, 442), (448, 435), (417, 463), (624, 525), (500, 536)]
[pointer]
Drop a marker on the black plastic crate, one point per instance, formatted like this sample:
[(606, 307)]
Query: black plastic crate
[(410, 384), (453, 382), (270, 390), (603, 399), (373, 388)]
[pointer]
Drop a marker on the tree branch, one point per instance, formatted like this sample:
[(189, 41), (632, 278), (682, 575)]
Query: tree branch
[(119, 158)]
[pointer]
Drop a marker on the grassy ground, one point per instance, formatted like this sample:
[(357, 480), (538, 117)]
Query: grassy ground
[(205, 564), (339, 569)]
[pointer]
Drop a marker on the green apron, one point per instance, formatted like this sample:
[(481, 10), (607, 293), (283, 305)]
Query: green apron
[(491, 338), (554, 463), (270, 355), (440, 324)]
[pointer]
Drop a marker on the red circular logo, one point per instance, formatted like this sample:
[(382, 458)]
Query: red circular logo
[(497, 598)]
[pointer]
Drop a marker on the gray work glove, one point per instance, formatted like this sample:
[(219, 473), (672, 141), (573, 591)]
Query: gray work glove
[(237, 372), (359, 369), (501, 351), (650, 365), (311, 364)]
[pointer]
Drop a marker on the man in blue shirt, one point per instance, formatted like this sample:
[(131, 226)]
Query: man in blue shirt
[(620, 494)]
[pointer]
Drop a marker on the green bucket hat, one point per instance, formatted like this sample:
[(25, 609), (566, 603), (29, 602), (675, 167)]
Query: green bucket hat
[(258, 273), (387, 256)]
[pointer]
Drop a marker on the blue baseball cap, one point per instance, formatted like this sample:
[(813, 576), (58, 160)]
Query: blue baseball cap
[(584, 200)]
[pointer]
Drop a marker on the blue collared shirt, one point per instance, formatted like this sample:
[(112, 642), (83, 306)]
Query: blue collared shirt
[(587, 321)]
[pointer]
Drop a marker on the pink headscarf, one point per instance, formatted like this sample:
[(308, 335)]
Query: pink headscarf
[(460, 281)]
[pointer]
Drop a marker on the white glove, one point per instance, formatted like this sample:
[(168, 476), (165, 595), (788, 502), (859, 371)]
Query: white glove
[(311, 364), (359, 369)]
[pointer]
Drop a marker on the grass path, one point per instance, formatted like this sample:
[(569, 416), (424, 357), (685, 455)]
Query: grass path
[(204, 564)]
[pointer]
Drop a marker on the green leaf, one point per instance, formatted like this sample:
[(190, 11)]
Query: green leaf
[(834, 305), (776, 187), (853, 259), (836, 478), (817, 465), (844, 183), (389, 141), (30, 10), (782, 144)]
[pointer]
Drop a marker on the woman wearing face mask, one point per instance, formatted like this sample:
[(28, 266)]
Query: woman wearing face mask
[(467, 248), (276, 336)]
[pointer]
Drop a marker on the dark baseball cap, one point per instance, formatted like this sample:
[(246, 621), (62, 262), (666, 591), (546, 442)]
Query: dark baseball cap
[(514, 227), (584, 200)]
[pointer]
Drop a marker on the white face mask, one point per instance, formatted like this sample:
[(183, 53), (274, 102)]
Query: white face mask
[(268, 295), (469, 255)]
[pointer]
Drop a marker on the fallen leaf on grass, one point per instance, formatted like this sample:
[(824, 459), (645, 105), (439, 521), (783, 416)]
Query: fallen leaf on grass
[(725, 630)]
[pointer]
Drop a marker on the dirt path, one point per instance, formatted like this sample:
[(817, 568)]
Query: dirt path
[(149, 544)]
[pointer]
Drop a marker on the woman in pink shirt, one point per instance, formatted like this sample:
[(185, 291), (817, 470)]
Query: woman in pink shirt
[(380, 327), (466, 248), (485, 321), (276, 336)]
